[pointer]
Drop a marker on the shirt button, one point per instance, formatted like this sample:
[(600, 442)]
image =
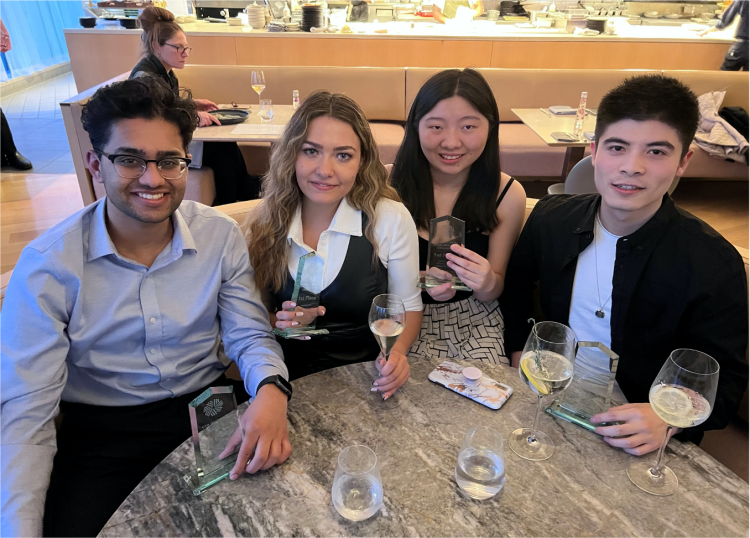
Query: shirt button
[(153, 351), (152, 320)]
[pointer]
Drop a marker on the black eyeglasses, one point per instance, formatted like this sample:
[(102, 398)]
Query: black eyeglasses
[(132, 167), (180, 49)]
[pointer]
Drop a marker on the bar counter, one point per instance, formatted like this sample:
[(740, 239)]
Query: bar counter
[(100, 53)]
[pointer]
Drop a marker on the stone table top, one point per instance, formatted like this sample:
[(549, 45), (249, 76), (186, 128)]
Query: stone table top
[(582, 490)]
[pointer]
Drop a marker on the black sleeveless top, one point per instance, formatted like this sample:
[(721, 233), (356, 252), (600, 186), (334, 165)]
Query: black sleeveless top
[(347, 302), (476, 241), (151, 66)]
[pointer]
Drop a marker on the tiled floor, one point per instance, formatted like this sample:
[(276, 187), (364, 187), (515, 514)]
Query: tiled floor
[(33, 201)]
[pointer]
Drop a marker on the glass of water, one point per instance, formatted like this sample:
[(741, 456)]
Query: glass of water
[(357, 488), (480, 470), (266, 110)]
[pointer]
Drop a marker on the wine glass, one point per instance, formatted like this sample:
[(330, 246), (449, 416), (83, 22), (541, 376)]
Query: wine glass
[(387, 320), (258, 82), (682, 395), (547, 368), (357, 490)]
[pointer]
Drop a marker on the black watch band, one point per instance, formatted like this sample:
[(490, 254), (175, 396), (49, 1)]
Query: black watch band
[(282, 384)]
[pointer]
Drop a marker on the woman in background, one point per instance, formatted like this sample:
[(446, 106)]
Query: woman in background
[(327, 192), (165, 48), (449, 164)]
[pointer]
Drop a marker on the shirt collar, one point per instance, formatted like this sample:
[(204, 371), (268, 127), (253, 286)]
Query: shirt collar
[(661, 218), (347, 220), (100, 243)]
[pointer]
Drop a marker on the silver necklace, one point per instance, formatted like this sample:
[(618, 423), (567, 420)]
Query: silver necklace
[(599, 313)]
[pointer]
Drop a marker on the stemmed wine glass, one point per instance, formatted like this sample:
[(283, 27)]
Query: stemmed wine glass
[(258, 82), (387, 320), (682, 395), (547, 368)]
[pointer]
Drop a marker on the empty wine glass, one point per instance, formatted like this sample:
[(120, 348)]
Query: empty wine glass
[(266, 110), (258, 82), (682, 395), (546, 366), (387, 320), (357, 487)]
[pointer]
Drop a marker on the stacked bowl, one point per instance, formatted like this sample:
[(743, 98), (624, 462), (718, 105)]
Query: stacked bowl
[(256, 16)]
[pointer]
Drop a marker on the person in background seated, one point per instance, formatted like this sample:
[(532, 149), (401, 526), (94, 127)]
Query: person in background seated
[(10, 155), (118, 314), (627, 268), (449, 164), (165, 48), (327, 192)]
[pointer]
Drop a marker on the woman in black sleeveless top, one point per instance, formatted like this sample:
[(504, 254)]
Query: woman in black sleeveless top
[(449, 164), (327, 193)]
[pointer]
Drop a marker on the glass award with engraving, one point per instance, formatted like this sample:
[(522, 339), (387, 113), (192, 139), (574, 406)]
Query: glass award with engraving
[(592, 390), (306, 299), (444, 232), (213, 420)]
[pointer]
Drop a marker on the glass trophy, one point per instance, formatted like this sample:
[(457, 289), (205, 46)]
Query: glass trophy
[(213, 419), (444, 232), (307, 301), (591, 391)]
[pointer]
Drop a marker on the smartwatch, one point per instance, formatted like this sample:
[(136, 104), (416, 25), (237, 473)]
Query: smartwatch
[(282, 384)]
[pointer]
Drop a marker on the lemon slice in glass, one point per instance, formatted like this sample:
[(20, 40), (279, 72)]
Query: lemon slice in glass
[(527, 365)]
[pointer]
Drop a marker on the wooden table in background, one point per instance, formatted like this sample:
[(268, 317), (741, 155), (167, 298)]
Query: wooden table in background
[(544, 124)]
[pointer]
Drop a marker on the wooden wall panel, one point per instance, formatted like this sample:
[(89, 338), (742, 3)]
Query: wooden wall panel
[(212, 50), (609, 55), (95, 58)]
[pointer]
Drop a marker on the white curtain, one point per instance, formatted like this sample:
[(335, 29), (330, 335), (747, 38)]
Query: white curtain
[(36, 33)]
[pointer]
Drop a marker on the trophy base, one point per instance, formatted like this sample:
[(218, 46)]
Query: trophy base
[(297, 333), (202, 483), (426, 281)]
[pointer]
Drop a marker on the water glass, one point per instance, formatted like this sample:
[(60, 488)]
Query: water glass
[(357, 488), (266, 110), (480, 469)]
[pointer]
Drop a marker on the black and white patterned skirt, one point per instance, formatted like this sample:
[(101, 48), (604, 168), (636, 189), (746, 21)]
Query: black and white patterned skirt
[(467, 329)]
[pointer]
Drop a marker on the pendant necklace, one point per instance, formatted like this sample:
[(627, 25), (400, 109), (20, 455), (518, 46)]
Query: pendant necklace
[(599, 313)]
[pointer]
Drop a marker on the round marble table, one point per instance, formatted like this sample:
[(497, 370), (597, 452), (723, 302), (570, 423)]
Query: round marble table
[(582, 490)]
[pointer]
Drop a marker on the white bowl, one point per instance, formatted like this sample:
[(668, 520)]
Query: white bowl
[(234, 21)]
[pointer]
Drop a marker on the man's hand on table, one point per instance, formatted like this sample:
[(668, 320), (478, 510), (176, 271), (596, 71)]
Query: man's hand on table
[(393, 373), (644, 429), (205, 119), (264, 427)]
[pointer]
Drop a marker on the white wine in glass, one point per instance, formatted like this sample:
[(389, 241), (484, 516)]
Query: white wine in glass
[(546, 366), (682, 395), (387, 320), (258, 82)]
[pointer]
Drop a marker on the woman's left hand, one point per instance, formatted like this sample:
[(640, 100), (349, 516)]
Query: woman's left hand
[(393, 373), (475, 271), (204, 105)]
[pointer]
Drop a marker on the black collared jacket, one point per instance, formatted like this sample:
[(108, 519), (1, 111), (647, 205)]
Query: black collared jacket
[(677, 284), (151, 66)]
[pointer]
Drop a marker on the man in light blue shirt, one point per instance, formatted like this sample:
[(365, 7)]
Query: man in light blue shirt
[(116, 315)]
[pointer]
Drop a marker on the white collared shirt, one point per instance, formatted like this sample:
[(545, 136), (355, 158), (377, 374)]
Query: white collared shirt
[(396, 238)]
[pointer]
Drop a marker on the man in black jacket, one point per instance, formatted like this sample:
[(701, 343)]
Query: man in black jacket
[(629, 269)]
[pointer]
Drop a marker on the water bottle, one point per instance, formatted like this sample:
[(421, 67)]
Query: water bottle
[(295, 99), (580, 116)]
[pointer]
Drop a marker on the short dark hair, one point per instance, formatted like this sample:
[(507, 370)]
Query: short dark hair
[(651, 97), (147, 98), (411, 172)]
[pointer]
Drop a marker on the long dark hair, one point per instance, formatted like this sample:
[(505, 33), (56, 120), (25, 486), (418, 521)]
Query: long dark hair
[(411, 171)]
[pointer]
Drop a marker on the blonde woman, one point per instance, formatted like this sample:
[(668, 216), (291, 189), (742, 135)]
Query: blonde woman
[(327, 192)]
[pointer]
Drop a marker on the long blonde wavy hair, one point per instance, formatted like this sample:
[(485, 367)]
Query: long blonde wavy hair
[(268, 225)]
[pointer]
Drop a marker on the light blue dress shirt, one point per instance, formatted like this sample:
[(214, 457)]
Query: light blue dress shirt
[(83, 324)]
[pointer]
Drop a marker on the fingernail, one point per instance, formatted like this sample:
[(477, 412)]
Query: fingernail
[(324, 310), (385, 398), (300, 314), (292, 304), (375, 383), (373, 390), (233, 476), (295, 323), (307, 337)]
